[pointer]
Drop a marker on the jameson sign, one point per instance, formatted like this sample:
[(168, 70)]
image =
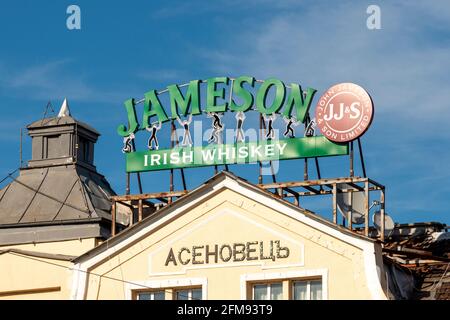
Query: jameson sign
[(275, 103), (237, 153), (296, 103)]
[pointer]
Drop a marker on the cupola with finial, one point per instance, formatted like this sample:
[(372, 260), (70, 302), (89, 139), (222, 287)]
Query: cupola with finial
[(62, 140)]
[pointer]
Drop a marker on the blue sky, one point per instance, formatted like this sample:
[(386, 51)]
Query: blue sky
[(124, 50)]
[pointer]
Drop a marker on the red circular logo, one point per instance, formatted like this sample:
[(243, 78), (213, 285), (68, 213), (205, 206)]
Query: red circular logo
[(344, 112)]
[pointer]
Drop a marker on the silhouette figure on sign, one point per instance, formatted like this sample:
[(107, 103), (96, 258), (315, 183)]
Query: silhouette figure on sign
[(270, 119), (187, 140), (217, 126), (127, 145), (240, 117), (289, 123), (310, 128), (154, 128)]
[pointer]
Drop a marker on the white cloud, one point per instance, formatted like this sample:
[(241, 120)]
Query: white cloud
[(401, 65), (404, 66), (162, 75), (52, 80)]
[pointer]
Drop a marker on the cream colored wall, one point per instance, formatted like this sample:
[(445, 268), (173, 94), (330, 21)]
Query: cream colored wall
[(27, 273), (226, 218), (20, 273)]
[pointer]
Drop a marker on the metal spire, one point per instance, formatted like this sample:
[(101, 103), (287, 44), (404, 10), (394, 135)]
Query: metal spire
[(64, 111)]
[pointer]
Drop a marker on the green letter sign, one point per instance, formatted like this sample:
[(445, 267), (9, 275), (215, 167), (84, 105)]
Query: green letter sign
[(249, 152), (132, 120), (242, 93), (152, 107), (213, 94), (296, 100), (192, 99), (262, 96), (270, 98)]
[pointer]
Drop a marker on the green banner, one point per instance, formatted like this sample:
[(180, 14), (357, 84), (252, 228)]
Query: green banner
[(249, 152)]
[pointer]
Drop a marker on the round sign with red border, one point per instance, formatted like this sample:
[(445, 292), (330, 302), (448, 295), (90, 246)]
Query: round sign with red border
[(344, 112)]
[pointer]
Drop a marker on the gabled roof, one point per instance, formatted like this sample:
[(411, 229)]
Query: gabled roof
[(217, 183)]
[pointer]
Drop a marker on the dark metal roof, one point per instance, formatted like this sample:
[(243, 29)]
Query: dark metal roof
[(60, 188), (55, 194)]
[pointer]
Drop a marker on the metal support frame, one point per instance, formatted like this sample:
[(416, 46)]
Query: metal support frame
[(171, 146), (335, 203), (130, 202), (344, 221), (139, 182), (349, 212), (308, 187), (132, 217), (127, 190), (305, 168), (140, 210), (137, 174), (352, 171), (173, 134), (260, 179), (366, 207), (319, 176), (361, 157), (284, 190), (274, 179)]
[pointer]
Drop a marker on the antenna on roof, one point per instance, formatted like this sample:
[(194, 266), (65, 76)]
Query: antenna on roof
[(389, 224), (356, 204), (48, 110)]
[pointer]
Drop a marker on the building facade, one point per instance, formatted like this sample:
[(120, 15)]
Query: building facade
[(226, 239)]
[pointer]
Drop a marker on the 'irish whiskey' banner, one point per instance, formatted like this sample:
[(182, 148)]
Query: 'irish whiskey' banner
[(220, 154)]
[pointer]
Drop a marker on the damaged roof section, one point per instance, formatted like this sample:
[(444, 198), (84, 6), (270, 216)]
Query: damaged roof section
[(434, 282), (417, 259)]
